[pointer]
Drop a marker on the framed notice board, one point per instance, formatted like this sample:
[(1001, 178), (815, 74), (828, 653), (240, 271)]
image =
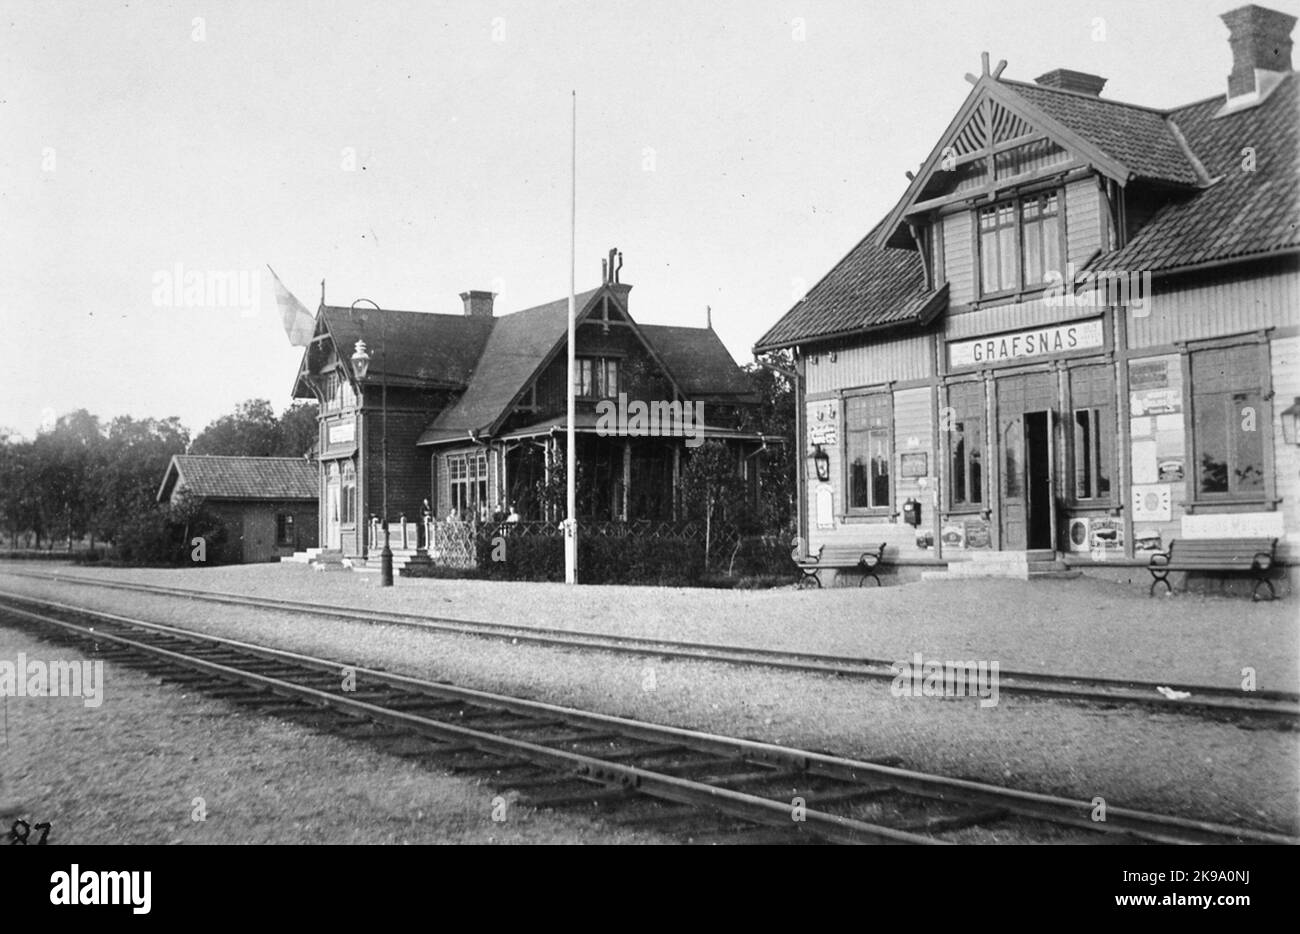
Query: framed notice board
[(915, 464)]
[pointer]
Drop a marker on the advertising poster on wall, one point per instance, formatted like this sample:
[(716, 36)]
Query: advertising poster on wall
[(1106, 538), (825, 507), (1148, 374), (823, 422), (1145, 461), (1147, 540), (914, 465), (1170, 469), (1155, 402), (978, 534), (1151, 502)]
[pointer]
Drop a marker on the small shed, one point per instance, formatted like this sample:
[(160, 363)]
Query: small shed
[(267, 504)]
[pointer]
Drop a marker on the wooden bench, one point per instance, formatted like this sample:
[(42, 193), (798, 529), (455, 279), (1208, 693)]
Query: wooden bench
[(839, 558), (1254, 556)]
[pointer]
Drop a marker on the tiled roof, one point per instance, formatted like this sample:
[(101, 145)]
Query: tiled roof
[(873, 287), (1237, 215), (1138, 137), (440, 350), (697, 361), (520, 342), (516, 347), (259, 478), (1242, 214)]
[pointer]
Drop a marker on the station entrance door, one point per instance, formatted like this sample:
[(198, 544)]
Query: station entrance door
[(1027, 456)]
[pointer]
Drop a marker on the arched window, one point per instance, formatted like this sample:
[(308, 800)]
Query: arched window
[(349, 496), (332, 491)]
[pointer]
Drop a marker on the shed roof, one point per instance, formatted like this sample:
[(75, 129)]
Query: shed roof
[(212, 476)]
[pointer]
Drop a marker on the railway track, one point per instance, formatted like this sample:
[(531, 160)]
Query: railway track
[(696, 786), (1275, 708)]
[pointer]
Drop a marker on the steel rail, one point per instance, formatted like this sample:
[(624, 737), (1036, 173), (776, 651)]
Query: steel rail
[(1274, 705), (1054, 809)]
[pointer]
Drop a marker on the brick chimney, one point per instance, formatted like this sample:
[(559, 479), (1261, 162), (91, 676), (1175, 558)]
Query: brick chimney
[(478, 304), (1261, 42), (1080, 82)]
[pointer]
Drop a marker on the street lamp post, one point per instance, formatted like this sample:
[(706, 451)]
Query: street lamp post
[(361, 366)]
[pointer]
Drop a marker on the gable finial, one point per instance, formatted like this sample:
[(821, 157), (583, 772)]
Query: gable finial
[(708, 317), (322, 291), (984, 69)]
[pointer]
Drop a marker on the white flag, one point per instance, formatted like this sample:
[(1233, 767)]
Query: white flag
[(299, 323)]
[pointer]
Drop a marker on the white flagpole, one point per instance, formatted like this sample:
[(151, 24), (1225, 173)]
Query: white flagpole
[(571, 458)]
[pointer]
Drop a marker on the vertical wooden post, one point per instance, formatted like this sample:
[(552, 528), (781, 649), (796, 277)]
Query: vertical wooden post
[(677, 479), (627, 477)]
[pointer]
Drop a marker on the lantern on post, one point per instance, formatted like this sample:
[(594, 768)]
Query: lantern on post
[(361, 360)]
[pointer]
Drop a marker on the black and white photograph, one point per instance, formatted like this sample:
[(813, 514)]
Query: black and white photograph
[(742, 422)]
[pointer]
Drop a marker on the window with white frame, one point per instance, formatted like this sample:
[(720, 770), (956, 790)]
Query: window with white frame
[(467, 475), (1229, 419), (348, 495), (966, 444), (1092, 395), (338, 391), (596, 377), (868, 441), (1019, 243)]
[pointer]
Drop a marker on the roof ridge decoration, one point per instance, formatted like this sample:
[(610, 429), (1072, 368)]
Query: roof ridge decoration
[(993, 119), (1199, 166)]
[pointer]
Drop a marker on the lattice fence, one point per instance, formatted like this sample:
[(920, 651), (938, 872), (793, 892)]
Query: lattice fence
[(451, 543)]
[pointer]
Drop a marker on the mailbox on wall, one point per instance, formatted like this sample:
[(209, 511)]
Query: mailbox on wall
[(912, 512)]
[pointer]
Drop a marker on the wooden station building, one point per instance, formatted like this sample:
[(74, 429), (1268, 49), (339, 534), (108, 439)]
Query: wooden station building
[(268, 505), (476, 413), (1076, 334)]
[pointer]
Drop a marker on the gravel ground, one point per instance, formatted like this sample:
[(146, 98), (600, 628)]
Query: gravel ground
[(1162, 762), (1082, 626), (129, 771)]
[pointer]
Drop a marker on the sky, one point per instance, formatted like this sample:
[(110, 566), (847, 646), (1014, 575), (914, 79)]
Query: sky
[(734, 150)]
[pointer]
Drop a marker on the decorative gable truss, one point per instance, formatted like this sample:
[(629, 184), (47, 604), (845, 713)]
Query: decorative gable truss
[(606, 309), (996, 142)]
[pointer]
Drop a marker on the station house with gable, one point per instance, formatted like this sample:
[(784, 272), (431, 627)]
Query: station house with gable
[(476, 414), (1075, 337)]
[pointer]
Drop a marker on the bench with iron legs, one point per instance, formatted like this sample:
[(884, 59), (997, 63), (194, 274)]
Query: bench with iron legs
[(839, 558), (1254, 556)]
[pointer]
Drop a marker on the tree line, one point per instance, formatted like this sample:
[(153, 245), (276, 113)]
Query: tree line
[(86, 480)]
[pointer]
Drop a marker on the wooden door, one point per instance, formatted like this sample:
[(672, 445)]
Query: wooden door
[(333, 527), (1015, 498), (1025, 453)]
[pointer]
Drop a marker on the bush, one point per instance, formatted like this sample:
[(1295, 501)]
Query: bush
[(761, 556), (506, 553), (162, 535)]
